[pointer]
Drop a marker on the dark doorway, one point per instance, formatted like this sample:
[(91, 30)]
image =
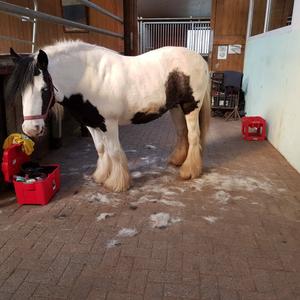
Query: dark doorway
[(130, 27)]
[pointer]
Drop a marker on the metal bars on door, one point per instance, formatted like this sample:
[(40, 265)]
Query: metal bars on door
[(194, 35)]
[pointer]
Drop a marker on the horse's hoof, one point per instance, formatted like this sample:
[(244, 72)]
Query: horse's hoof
[(189, 172), (177, 158), (120, 184), (173, 161), (98, 178), (117, 188)]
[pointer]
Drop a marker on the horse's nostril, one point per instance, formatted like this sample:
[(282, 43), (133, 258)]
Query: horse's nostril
[(37, 127)]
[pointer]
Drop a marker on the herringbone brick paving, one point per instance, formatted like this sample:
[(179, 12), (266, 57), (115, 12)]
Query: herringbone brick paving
[(235, 235)]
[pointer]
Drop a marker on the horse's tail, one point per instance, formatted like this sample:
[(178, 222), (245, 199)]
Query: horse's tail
[(204, 115)]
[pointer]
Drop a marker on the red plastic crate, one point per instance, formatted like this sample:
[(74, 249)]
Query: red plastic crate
[(39, 192), (254, 128)]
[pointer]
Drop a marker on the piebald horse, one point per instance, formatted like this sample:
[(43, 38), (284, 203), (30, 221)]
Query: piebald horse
[(103, 89)]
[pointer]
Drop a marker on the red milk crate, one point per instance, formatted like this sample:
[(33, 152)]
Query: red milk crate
[(38, 192), (253, 128)]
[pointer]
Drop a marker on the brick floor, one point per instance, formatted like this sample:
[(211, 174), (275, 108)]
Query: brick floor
[(237, 237)]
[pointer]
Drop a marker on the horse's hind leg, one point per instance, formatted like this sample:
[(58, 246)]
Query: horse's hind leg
[(192, 166), (179, 154), (104, 162), (119, 179)]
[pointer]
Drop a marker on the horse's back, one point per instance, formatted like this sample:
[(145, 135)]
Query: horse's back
[(168, 59), (174, 56)]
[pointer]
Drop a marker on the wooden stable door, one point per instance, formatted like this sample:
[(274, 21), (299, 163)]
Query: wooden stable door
[(229, 23), (130, 27)]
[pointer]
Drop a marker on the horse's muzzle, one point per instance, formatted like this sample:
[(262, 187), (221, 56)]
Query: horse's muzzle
[(34, 131)]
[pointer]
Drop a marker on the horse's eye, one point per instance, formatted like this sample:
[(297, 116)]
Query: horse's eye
[(45, 89)]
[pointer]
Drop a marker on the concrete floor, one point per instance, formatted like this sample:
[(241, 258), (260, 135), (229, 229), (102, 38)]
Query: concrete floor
[(233, 234)]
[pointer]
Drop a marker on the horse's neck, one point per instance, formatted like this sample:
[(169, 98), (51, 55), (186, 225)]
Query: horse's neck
[(66, 75), (79, 72)]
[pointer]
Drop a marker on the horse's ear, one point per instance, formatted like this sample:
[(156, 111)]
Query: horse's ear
[(42, 60), (14, 55)]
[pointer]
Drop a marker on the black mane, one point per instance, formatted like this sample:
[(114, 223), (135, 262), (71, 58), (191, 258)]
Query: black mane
[(21, 76)]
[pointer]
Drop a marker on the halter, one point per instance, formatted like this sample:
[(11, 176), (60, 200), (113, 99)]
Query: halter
[(51, 87)]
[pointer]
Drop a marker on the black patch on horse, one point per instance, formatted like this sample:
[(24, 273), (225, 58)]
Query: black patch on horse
[(141, 117), (84, 112), (178, 92), (22, 76)]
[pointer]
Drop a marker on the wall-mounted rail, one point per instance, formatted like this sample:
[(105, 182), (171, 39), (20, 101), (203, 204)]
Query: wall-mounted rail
[(101, 10), (34, 15)]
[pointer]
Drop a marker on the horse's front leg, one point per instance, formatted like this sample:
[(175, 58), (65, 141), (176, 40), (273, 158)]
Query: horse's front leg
[(118, 179), (103, 164)]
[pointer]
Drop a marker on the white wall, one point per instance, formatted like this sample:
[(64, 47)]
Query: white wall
[(272, 85)]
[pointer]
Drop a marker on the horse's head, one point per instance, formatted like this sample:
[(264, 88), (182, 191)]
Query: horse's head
[(32, 81)]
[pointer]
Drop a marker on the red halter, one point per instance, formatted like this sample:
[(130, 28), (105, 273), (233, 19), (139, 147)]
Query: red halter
[(51, 86)]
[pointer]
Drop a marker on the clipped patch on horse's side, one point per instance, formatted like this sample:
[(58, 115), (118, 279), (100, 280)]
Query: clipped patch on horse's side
[(84, 112)]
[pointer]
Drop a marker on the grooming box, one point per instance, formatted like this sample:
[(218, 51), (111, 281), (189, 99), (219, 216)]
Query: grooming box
[(33, 183)]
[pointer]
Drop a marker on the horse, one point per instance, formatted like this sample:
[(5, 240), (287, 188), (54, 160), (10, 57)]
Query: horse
[(103, 89)]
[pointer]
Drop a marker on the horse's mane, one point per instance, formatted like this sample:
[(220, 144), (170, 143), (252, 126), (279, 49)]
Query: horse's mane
[(21, 76), (71, 46)]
